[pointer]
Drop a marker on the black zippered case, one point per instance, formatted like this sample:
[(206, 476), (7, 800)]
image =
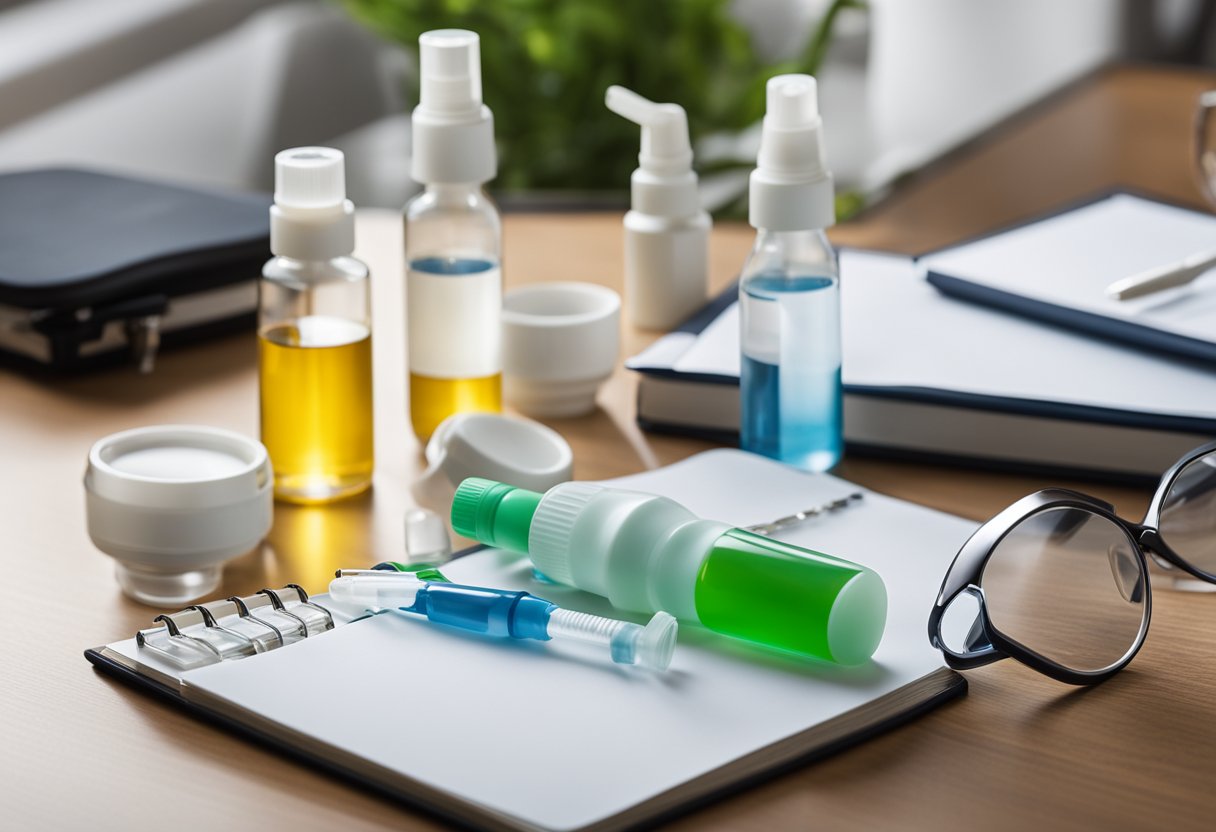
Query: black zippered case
[(96, 269)]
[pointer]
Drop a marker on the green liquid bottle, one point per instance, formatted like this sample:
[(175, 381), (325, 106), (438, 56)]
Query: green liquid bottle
[(646, 553)]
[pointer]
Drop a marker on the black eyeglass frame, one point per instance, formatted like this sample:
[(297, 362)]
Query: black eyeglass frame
[(966, 572)]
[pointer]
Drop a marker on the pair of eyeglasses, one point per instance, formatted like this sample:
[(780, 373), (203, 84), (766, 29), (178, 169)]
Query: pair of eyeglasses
[(1059, 581)]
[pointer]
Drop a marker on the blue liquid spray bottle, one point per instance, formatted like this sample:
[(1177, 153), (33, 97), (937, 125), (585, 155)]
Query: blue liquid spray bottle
[(789, 294)]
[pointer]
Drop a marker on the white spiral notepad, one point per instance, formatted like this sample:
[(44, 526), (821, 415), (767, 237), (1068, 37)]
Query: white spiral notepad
[(529, 736)]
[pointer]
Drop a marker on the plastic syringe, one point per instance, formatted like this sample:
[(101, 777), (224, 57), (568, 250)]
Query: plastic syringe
[(509, 614)]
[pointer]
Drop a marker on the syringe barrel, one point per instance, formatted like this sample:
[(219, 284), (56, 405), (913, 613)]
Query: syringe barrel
[(494, 612), (627, 643), (583, 626), (376, 591)]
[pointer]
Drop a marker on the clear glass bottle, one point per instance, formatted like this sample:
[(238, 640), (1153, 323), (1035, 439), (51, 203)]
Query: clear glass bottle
[(790, 385), (453, 237), (314, 336), (789, 292)]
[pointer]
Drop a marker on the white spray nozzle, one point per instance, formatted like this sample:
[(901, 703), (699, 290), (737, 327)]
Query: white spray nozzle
[(310, 178), (791, 189), (792, 102), (790, 146), (450, 71), (665, 145)]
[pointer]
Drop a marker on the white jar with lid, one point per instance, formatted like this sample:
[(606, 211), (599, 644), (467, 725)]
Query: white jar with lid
[(172, 503)]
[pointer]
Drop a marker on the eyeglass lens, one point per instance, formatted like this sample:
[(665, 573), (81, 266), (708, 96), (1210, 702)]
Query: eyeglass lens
[(961, 628), (1188, 514), (1067, 584)]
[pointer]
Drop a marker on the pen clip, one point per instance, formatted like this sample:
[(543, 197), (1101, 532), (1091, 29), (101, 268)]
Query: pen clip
[(800, 517)]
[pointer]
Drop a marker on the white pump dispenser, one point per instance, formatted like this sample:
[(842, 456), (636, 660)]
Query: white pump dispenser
[(453, 130), (791, 188), (666, 232)]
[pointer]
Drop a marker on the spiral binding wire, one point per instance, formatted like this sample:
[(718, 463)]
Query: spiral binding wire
[(271, 618)]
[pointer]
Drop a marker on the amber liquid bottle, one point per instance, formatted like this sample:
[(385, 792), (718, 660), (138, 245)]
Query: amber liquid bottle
[(314, 336)]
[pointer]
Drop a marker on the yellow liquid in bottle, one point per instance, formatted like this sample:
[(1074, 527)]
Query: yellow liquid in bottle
[(434, 399), (316, 407)]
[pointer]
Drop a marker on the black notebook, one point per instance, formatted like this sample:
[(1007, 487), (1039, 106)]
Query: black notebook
[(95, 267)]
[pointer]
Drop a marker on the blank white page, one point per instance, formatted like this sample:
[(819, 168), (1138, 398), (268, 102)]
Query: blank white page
[(899, 331), (1069, 260), (560, 738)]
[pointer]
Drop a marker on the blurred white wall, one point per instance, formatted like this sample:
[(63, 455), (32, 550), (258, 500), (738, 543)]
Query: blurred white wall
[(942, 71), (205, 91)]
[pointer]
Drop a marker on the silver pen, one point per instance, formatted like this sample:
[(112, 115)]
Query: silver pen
[(1162, 277)]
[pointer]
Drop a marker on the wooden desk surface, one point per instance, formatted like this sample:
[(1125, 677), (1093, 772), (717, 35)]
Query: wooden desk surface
[(1020, 751)]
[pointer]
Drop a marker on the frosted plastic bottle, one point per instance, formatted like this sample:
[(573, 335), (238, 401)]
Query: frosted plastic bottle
[(453, 240), (314, 335), (646, 553), (666, 230), (789, 291)]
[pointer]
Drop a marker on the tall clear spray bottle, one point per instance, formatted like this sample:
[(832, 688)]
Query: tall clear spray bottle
[(453, 240), (314, 335), (789, 292)]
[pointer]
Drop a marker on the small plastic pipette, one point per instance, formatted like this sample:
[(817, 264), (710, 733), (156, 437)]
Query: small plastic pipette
[(509, 614)]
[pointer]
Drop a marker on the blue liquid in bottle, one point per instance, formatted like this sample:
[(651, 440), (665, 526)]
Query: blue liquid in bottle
[(791, 398)]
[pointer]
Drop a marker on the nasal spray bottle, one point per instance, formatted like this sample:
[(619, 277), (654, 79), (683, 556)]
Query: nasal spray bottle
[(646, 553), (314, 335), (453, 240), (789, 291), (666, 232)]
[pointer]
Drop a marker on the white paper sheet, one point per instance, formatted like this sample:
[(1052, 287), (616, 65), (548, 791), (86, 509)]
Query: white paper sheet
[(560, 738)]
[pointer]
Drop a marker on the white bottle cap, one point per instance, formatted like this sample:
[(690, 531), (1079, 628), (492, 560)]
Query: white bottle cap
[(426, 537), (508, 449), (450, 64), (453, 130), (664, 184), (171, 503), (791, 188), (311, 218)]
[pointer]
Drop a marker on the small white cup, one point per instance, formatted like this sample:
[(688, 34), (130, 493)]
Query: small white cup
[(560, 343), (171, 503)]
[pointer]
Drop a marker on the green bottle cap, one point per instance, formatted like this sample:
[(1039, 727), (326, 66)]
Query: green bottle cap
[(494, 513)]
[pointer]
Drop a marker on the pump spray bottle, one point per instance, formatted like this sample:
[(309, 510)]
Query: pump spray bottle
[(314, 335), (789, 292), (666, 232), (453, 240)]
